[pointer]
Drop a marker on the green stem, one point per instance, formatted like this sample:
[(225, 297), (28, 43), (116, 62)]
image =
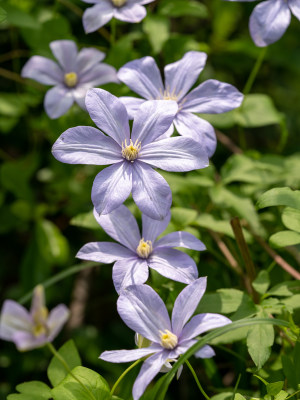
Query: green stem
[(197, 380), (254, 71), (298, 391), (124, 373), (67, 368), (113, 30)]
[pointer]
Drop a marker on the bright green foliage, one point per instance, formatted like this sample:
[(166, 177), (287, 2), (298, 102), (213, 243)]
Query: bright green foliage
[(33, 390)]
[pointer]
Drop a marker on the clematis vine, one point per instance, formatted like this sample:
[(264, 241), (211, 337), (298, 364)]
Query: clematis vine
[(132, 156), (104, 10), (143, 310), (136, 253), (270, 19), (29, 330), (210, 97), (75, 73)]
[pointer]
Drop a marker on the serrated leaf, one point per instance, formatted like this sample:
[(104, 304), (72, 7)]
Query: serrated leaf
[(291, 218), (284, 238), (261, 282), (280, 197)]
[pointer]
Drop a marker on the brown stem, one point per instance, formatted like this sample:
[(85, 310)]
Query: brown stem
[(13, 54), (17, 78), (227, 142)]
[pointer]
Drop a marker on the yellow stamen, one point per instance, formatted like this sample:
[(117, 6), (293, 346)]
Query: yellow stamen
[(168, 340), (131, 151), (144, 249), (71, 79), (119, 3)]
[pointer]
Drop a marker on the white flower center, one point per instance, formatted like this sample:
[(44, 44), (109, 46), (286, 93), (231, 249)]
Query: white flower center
[(119, 3), (71, 79), (168, 340), (144, 249), (131, 151)]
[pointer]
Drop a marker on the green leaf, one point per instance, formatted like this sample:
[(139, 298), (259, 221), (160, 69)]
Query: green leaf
[(284, 238), (71, 389), (17, 17), (3, 14), (56, 371), (34, 390), (292, 302), (157, 28), (280, 197), (290, 372), (274, 388), (183, 217), (282, 395), (291, 218), (181, 8), (238, 396), (285, 289), (261, 282), (85, 220)]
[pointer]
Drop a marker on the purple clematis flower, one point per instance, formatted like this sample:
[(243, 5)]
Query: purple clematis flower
[(29, 330), (74, 74), (270, 19), (132, 156), (210, 97), (104, 10), (143, 310), (136, 254)]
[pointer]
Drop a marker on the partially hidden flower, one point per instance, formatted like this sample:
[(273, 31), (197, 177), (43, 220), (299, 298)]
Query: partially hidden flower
[(210, 97), (29, 330), (132, 156), (72, 76), (104, 10), (270, 19), (143, 311), (136, 253)]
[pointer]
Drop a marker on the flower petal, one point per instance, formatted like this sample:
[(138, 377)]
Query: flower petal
[(152, 120), (104, 252), (181, 239), (268, 22), (181, 348), (153, 228), (120, 356), (14, 318), (205, 352), (87, 58), (130, 13), (142, 76), (133, 271), (132, 105), (57, 101), (109, 114), (141, 308), (181, 75), (150, 191), (43, 70), (111, 187), (176, 154), (97, 16), (56, 320), (27, 341), (186, 303), (121, 225), (65, 51), (99, 75), (86, 145), (173, 264), (295, 8)]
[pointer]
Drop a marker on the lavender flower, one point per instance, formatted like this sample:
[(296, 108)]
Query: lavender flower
[(104, 10), (74, 74), (132, 156), (29, 330), (135, 253), (210, 97), (143, 310), (270, 19)]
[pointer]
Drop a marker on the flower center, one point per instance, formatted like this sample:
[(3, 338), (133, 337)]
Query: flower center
[(39, 319), (144, 249), (131, 151), (119, 3), (170, 95), (71, 79), (168, 340)]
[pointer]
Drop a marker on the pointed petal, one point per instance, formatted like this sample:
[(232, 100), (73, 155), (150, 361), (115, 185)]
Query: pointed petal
[(186, 303), (99, 75), (56, 320), (87, 58), (132, 105), (65, 51), (43, 70), (57, 101), (111, 187), (130, 13), (133, 271), (14, 318), (189, 125), (268, 22), (38, 299), (104, 252), (173, 264), (176, 154), (150, 191), (109, 114), (141, 308), (181, 239), (121, 225), (202, 323), (97, 16), (153, 228), (152, 120), (86, 145), (295, 8), (120, 356), (143, 77), (181, 348), (181, 75), (205, 352)]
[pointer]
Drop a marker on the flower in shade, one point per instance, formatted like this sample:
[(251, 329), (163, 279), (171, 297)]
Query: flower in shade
[(104, 10), (210, 97), (143, 310), (75, 73), (136, 253), (132, 155), (270, 19), (32, 329)]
